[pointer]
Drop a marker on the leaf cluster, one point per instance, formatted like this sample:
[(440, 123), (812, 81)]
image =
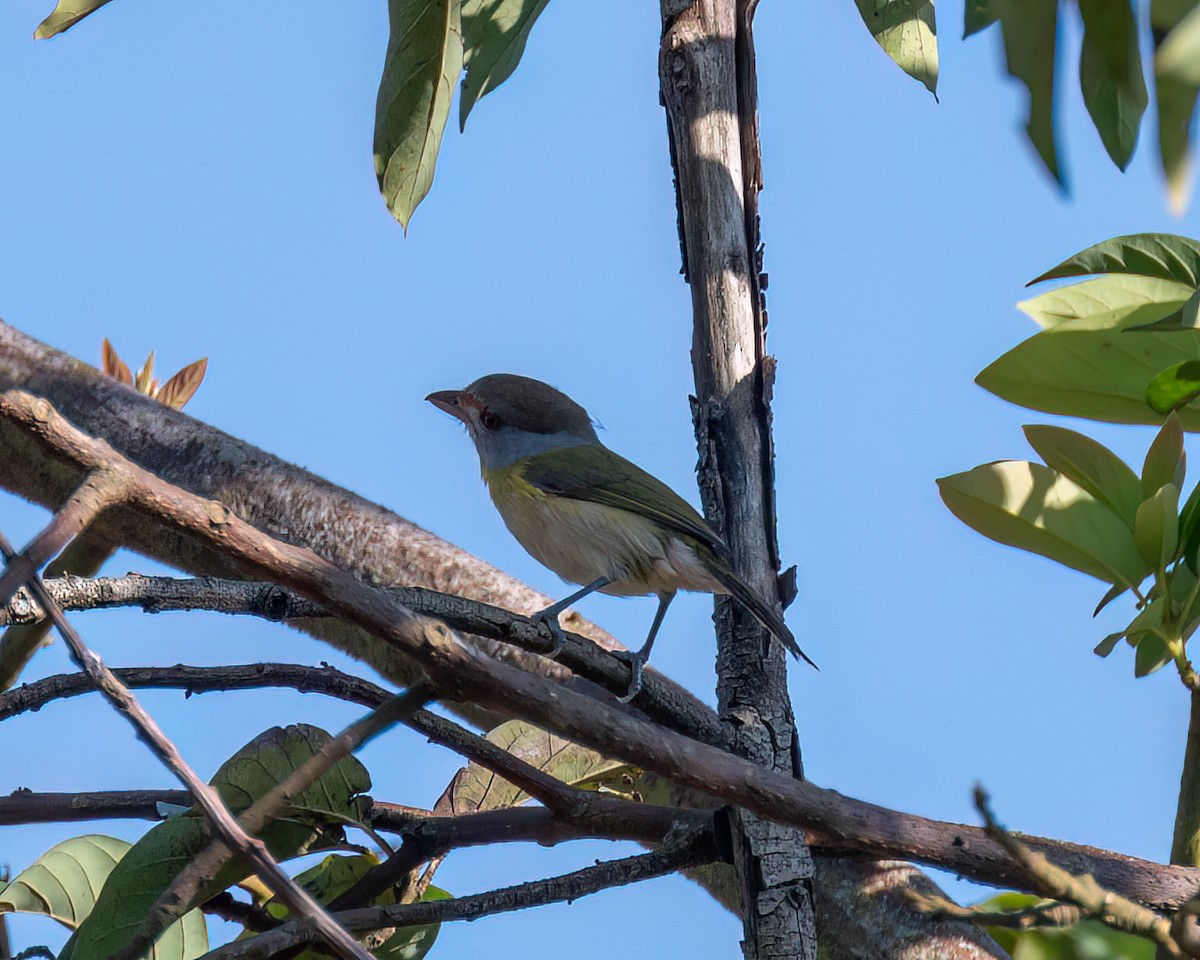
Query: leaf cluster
[(1111, 74), (431, 44), (1123, 346), (102, 888)]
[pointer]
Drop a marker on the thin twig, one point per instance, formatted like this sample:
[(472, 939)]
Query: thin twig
[(24, 806), (101, 488), (961, 849), (249, 915), (461, 675), (186, 888), (560, 798), (1052, 913), (618, 820), (568, 887), (1058, 884), (207, 798), (272, 602), (325, 679)]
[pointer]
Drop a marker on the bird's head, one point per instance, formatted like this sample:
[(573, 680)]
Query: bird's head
[(510, 417)]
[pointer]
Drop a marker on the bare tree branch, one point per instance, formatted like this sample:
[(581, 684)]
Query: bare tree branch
[(381, 548), (884, 833), (1080, 889), (219, 817), (689, 852), (251, 676), (277, 497), (267, 600), (86, 555), (248, 915), (1053, 913), (840, 821), (645, 822), (709, 90), (83, 557), (26, 806), (100, 489), (185, 889), (561, 799)]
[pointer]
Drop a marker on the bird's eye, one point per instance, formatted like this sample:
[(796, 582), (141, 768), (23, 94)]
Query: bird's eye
[(489, 420)]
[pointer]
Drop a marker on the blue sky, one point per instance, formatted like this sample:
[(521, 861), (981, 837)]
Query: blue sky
[(197, 179)]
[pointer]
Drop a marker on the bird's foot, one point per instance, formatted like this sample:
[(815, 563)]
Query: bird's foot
[(637, 664), (549, 617)]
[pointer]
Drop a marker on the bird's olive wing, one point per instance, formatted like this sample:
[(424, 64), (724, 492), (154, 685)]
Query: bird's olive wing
[(596, 474)]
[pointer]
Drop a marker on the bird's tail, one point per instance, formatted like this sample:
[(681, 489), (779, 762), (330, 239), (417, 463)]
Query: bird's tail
[(765, 612)]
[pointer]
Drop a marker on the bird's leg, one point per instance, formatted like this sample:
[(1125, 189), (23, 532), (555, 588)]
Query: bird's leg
[(549, 616), (638, 660)]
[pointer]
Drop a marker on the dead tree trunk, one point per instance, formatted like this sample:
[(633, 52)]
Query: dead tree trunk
[(706, 69)]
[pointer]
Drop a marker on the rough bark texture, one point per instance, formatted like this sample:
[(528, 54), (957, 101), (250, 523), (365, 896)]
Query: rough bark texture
[(1185, 841), (1185, 845), (292, 504), (83, 557), (707, 77), (376, 543)]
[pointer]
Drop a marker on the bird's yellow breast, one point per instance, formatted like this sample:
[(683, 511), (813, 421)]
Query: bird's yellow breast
[(582, 541)]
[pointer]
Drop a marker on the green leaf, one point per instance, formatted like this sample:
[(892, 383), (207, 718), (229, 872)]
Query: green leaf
[(329, 879), (1162, 255), (65, 15), (1175, 387), (1176, 110), (1151, 655), (1030, 28), (907, 31), (336, 874), (1034, 508), (1157, 528), (1165, 461), (412, 943), (978, 15), (1148, 620), (271, 757), (1178, 55), (494, 35), (1187, 317), (1110, 75), (1180, 583), (153, 862), (1176, 85), (1189, 530), (332, 877), (1113, 300), (1091, 465), (424, 58), (63, 881), (1108, 644), (134, 885), (1109, 596), (475, 788), (1098, 374)]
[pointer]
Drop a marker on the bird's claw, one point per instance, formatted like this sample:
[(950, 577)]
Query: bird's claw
[(550, 619), (636, 665)]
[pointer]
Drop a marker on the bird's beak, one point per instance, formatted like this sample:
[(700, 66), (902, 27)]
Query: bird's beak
[(450, 401)]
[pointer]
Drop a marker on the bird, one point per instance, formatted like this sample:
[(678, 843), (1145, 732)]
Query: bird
[(591, 516)]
